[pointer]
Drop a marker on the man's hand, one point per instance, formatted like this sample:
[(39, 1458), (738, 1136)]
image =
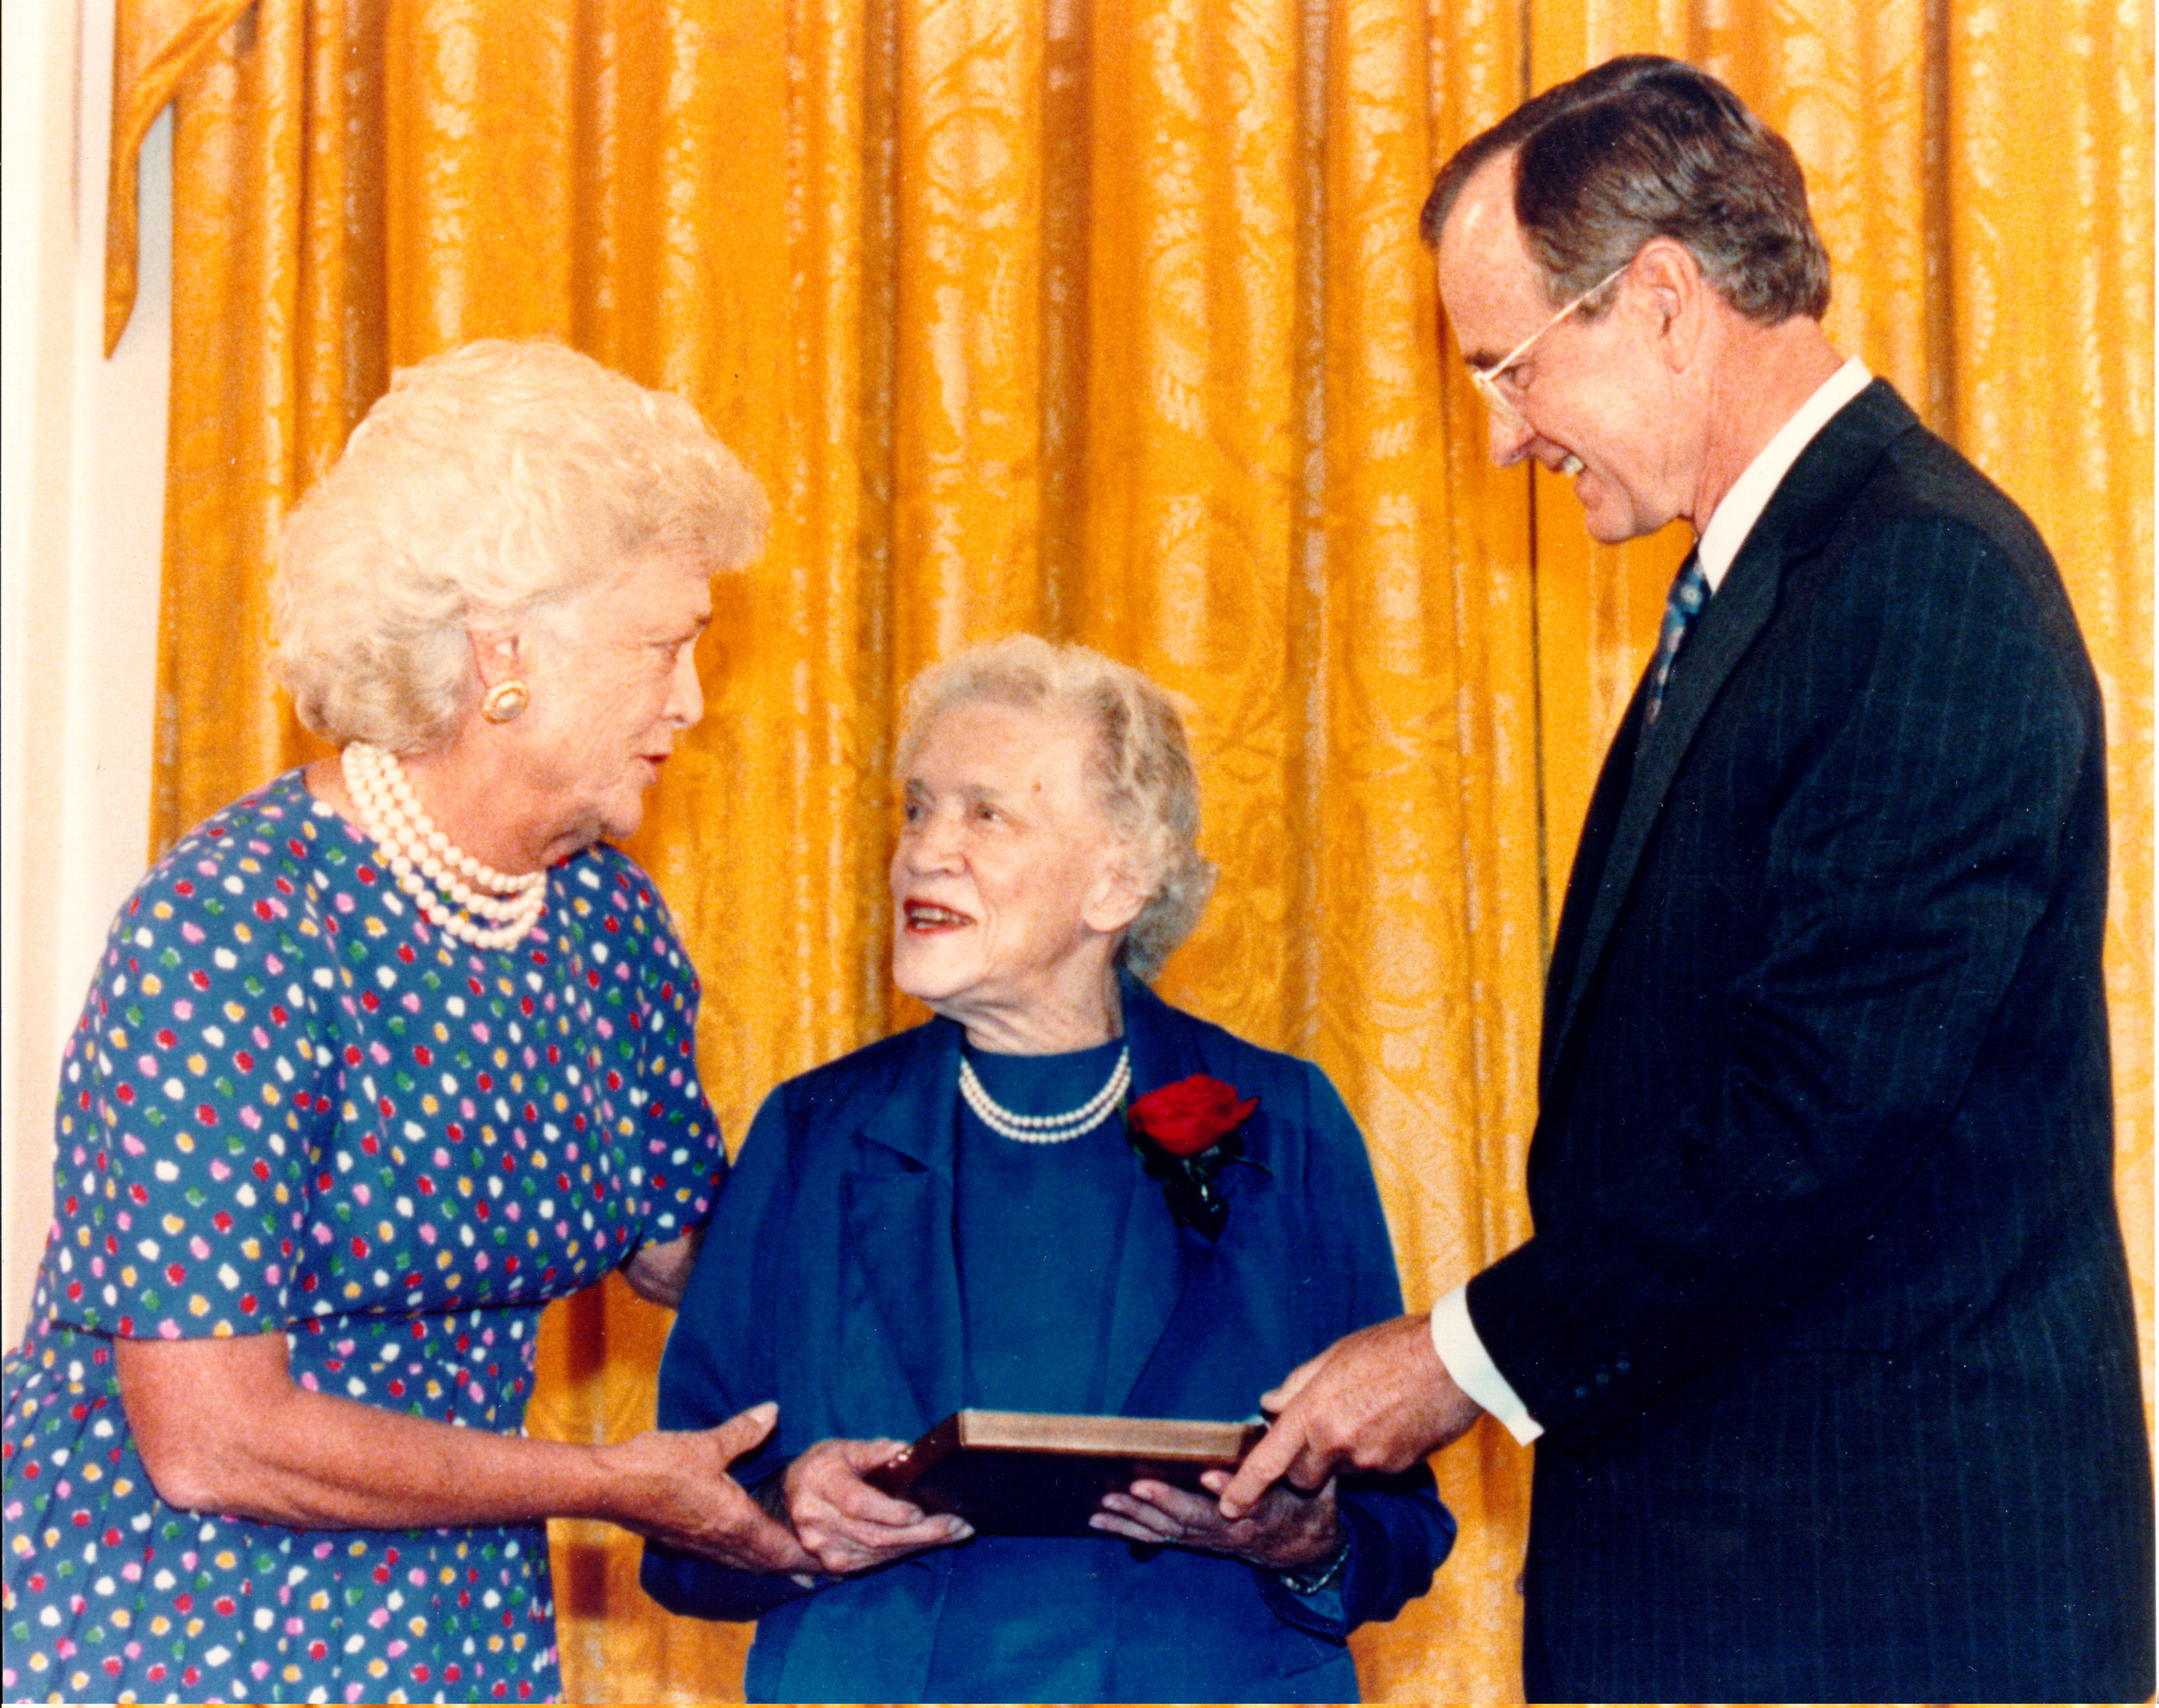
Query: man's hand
[(1377, 1400)]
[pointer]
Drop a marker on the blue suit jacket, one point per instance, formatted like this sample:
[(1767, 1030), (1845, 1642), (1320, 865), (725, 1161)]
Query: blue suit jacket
[(828, 1280)]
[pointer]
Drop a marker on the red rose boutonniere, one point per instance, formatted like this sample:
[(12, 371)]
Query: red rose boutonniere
[(1185, 1135)]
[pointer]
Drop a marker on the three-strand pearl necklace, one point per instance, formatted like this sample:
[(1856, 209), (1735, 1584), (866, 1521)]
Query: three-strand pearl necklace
[(432, 869), (1046, 1129)]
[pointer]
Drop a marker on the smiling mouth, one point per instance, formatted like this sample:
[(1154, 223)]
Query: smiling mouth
[(928, 916)]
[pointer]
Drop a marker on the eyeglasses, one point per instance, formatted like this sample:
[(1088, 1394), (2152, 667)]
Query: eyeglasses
[(1486, 380)]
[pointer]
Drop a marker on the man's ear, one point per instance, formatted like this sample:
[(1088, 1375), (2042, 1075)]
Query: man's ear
[(1120, 890), (1678, 296)]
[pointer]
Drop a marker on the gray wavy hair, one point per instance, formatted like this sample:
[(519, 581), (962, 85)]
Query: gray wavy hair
[(1139, 767), (1643, 147), (483, 490)]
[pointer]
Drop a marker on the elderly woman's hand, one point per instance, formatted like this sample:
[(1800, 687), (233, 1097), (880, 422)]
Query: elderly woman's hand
[(222, 1428), (847, 1525), (660, 1273), (672, 1486), (1284, 1530)]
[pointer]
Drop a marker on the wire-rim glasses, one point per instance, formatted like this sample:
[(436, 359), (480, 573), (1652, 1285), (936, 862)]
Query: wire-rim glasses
[(1486, 379)]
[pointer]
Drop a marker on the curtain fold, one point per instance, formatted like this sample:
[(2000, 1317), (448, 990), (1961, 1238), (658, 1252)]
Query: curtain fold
[(154, 44), (1108, 317)]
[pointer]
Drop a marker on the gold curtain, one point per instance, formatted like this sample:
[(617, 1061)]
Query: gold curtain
[(1109, 320)]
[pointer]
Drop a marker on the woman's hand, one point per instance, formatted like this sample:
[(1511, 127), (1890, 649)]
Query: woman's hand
[(847, 1525), (1284, 1530), (660, 1273), (222, 1428), (672, 1486)]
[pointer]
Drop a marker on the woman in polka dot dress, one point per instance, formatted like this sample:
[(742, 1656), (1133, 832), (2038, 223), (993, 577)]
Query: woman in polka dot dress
[(378, 1060)]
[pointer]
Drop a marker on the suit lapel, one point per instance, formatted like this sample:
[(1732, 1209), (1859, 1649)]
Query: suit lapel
[(900, 1218), (1722, 634), (900, 1213), (1631, 798), (1590, 855), (1153, 1263)]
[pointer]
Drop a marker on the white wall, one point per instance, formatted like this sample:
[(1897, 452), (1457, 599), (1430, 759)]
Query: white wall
[(82, 477)]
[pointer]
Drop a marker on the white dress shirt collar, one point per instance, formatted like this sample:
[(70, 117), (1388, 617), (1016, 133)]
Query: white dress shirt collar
[(1750, 494)]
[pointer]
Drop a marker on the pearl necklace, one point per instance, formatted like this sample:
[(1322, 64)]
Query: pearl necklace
[(429, 867), (1046, 1129)]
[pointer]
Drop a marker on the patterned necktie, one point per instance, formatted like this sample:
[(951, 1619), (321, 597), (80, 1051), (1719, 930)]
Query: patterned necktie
[(1690, 592)]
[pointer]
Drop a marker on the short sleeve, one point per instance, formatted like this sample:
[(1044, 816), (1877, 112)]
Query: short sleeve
[(189, 1095)]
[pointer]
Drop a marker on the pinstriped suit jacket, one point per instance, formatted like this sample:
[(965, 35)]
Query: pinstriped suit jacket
[(1826, 1313)]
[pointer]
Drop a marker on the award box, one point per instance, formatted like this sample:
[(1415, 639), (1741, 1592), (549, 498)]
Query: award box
[(1039, 1474)]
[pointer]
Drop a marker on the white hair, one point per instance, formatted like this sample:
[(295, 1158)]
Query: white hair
[(1139, 765), (488, 486)]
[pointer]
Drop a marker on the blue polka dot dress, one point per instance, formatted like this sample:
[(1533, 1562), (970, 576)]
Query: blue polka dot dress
[(291, 1104)]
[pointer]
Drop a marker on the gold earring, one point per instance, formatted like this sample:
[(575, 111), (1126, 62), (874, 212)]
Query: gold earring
[(504, 700)]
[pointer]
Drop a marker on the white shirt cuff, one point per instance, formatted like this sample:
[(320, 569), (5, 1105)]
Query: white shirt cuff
[(1455, 1337)]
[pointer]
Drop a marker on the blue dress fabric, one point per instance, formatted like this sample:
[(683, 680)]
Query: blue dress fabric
[(1040, 1226), (292, 1106), (847, 1275)]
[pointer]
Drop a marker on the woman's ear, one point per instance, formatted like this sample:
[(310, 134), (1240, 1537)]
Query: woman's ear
[(495, 656), (1120, 890)]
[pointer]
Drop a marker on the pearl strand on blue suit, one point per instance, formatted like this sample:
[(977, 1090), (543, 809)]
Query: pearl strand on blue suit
[(1046, 1129)]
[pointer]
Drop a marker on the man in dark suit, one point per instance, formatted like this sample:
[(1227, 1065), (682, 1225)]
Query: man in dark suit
[(1825, 1333)]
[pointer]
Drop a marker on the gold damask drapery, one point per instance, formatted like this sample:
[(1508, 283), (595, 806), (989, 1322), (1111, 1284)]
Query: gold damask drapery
[(1109, 320)]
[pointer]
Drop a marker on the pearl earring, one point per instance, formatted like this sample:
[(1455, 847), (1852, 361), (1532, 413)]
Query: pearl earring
[(504, 700)]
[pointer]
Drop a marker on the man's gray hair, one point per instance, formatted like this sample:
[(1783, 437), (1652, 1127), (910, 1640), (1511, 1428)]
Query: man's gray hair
[(1643, 147), (486, 488), (1139, 765)]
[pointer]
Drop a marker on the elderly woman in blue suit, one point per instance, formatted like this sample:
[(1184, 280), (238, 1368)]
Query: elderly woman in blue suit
[(953, 1218)]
